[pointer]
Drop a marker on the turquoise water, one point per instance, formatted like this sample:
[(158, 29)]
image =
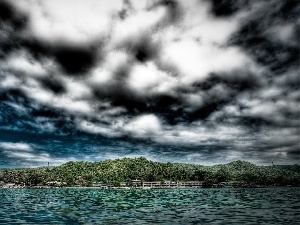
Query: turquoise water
[(168, 206)]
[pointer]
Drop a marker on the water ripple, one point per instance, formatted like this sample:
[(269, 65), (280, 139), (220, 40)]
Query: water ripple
[(171, 206)]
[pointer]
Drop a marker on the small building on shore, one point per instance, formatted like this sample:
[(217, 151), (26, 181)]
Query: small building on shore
[(193, 184), (56, 183), (136, 183), (122, 184), (152, 184), (98, 184), (9, 185), (169, 184), (232, 184)]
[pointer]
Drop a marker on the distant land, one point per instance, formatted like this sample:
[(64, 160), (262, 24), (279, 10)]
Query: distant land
[(132, 172)]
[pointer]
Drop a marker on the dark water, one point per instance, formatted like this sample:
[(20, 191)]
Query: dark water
[(171, 206)]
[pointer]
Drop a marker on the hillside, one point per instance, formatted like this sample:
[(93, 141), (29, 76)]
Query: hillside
[(127, 169)]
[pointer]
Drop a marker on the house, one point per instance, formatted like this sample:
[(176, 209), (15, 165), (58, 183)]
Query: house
[(122, 184), (98, 184), (136, 183), (153, 184), (169, 184), (80, 181), (232, 184), (9, 185), (194, 184), (56, 183), (109, 186)]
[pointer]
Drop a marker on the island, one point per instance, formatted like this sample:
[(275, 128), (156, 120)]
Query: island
[(134, 173)]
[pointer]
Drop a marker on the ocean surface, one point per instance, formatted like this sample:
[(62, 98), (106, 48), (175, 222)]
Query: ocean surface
[(163, 206)]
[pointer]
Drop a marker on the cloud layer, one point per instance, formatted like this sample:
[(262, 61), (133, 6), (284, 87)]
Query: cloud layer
[(196, 80)]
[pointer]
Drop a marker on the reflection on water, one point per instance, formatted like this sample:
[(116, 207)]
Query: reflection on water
[(167, 206)]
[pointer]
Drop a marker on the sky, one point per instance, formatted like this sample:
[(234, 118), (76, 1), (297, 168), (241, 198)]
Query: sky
[(193, 81)]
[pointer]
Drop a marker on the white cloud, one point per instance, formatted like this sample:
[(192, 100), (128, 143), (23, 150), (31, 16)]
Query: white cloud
[(21, 61), (144, 126), (24, 151), (9, 81), (38, 157), (148, 79), (286, 34), (200, 135), (72, 21), (16, 146), (140, 5), (196, 61), (139, 23), (271, 92), (72, 106), (97, 128), (27, 156), (17, 107), (195, 100), (99, 76), (77, 89), (68, 102), (208, 29)]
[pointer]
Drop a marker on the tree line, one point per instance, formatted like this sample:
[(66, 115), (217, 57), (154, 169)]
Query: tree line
[(125, 170)]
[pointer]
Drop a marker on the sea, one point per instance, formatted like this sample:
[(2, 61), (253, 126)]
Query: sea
[(156, 206)]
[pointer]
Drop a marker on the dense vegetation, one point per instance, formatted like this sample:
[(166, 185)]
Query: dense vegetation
[(125, 170)]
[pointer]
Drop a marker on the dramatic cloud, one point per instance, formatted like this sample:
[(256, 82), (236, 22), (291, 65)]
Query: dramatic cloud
[(26, 155), (15, 146), (202, 81)]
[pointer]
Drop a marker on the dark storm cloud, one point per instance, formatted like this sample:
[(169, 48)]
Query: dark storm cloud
[(258, 35), (18, 112), (194, 81), (144, 49), (73, 59), (16, 96), (54, 85), (224, 8), (235, 85), (238, 81), (137, 105), (12, 23), (9, 15)]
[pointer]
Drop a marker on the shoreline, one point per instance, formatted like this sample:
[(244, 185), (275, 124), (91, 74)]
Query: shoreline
[(147, 188)]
